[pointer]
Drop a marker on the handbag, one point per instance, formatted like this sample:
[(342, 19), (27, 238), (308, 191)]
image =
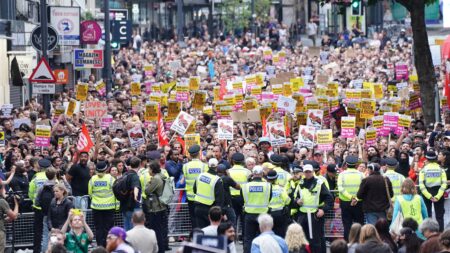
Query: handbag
[(396, 224), (390, 210)]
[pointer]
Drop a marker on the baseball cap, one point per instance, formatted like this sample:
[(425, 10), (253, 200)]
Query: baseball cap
[(257, 170), (308, 167), (212, 163), (119, 232)]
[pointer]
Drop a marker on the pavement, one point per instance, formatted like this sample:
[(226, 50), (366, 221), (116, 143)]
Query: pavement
[(175, 246)]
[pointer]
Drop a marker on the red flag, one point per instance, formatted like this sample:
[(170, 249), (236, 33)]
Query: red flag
[(447, 86), (163, 140), (286, 126), (264, 127), (223, 88), (84, 140), (183, 144)]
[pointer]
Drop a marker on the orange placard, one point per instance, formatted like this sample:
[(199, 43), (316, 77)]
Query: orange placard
[(62, 76)]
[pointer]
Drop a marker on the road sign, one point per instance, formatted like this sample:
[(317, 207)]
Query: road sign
[(62, 76), (43, 88), (42, 73), (36, 40), (121, 31)]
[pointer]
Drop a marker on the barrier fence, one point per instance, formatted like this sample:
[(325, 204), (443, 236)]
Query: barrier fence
[(179, 225)]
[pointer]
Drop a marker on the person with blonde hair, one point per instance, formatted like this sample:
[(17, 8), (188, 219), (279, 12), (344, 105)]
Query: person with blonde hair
[(370, 241), (296, 240), (353, 237), (409, 203)]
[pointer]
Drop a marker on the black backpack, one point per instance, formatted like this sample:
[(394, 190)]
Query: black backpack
[(45, 200), (120, 188)]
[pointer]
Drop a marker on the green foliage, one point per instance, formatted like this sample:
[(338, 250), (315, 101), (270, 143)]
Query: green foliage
[(262, 8), (237, 13), (87, 15)]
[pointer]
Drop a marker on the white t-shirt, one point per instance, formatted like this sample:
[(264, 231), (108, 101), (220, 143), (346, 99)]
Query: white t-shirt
[(210, 230)]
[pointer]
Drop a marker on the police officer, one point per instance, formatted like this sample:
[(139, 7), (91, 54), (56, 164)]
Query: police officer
[(278, 205), (290, 187), (432, 184), (103, 202), (191, 171), (257, 195), (310, 192), (316, 167), (240, 175), (38, 181), (283, 175), (348, 186), (208, 189), (395, 178)]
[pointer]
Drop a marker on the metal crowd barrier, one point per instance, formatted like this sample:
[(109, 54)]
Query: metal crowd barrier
[(179, 224)]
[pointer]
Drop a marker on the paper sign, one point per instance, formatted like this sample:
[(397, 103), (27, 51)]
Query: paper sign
[(348, 127), (277, 133), (288, 104), (100, 87), (225, 129), (401, 71), (324, 139), (199, 100), (95, 109), (191, 140), (82, 91), (371, 136), (390, 120), (306, 136), (174, 108), (106, 121), (151, 112), (182, 92), (6, 110), (135, 89), (367, 108), (43, 133), (404, 121), (315, 118), (72, 107), (18, 122), (181, 123), (136, 136), (194, 83)]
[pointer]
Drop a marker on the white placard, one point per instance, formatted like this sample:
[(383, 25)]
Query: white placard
[(66, 21), (44, 88), (225, 129), (288, 104)]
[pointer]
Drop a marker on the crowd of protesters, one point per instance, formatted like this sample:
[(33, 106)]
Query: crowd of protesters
[(372, 184)]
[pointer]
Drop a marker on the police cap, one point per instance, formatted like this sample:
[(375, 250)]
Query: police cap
[(238, 157), (101, 166), (272, 175), (351, 161), (195, 149), (276, 159), (314, 164), (391, 162), (44, 163)]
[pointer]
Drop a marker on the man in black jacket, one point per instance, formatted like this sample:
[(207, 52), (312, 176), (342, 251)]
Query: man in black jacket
[(374, 193)]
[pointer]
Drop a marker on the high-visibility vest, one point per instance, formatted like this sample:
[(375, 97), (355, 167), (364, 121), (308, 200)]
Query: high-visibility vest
[(324, 180), (279, 198), (411, 208), (144, 179), (256, 197), (191, 171), (283, 176), (37, 182), (290, 189), (396, 181), (432, 175), (239, 174), (101, 193), (348, 184), (205, 184), (310, 198)]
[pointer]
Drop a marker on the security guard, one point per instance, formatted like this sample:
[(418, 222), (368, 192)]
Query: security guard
[(257, 195), (290, 187), (191, 171), (283, 175), (103, 202), (309, 193), (348, 185), (432, 184), (37, 182), (278, 205), (395, 178), (240, 175), (209, 192)]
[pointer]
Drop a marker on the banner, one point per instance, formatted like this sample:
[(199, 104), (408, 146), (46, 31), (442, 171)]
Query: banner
[(82, 91), (348, 125), (95, 109), (324, 139), (277, 133), (151, 112), (136, 136), (315, 118), (306, 136), (225, 129), (181, 123), (43, 134), (88, 58)]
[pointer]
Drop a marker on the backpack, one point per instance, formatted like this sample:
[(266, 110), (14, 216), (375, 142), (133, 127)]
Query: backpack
[(120, 188), (168, 192), (46, 198)]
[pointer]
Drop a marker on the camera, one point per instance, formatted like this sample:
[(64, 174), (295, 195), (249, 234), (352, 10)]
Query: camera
[(11, 195)]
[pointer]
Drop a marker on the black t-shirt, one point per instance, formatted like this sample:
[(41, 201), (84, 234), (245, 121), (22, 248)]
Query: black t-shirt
[(227, 183), (20, 183), (80, 179), (132, 182)]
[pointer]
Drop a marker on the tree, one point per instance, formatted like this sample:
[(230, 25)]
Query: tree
[(237, 13)]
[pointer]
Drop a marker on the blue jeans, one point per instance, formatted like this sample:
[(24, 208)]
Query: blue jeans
[(127, 224), (45, 233), (373, 217), (81, 203)]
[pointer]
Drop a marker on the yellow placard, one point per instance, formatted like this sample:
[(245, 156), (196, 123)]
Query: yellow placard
[(151, 112), (348, 122), (256, 91), (324, 136), (194, 83), (404, 120), (297, 83), (156, 87), (199, 100), (216, 93), (249, 80), (238, 86), (259, 79), (378, 90), (277, 89), (208, 110), (43, 131), (174, 107), (82, 91), (300, 102), (191, 140), (229, 100), (71, 107), (287, 89), (367, 108), (155, 97), (136, 88), (366, 93)]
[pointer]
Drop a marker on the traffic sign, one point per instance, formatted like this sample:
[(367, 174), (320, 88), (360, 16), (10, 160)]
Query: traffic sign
[(42, 73), (121, 31), (36, 38), (44, 88)]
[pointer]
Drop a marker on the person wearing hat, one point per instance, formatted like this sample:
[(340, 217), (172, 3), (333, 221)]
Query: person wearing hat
[(375, 191), (311, 215), (103, 202), (38, 181), (331, 177), (116, 241), (191, 171), (278, 205), (297, 173), (348, 185), (256, 195), (283, 176), (432, 184), (264, 144), (240, 175), (316, 168), (208, 189), (228, 183), (395, 178)]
